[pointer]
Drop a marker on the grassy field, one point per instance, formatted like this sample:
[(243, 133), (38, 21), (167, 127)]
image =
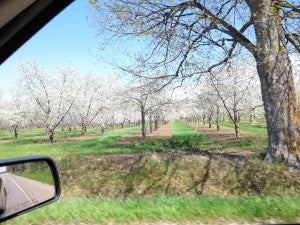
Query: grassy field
[(40, 146), (185, 174), (40, 133), (247, 127), (246, 119)]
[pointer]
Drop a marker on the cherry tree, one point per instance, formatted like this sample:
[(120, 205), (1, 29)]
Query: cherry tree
[(192, 37), (147, 96), (93, 97), (53, 96), (17, 112), (233, 84)]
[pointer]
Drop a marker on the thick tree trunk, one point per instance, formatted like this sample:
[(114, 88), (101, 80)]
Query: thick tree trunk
[(277, 86), (281, 114), (69, 129)]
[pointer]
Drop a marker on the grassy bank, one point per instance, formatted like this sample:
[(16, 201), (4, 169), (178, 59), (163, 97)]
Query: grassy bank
[(154, 175), (177, 209), (164, 179)]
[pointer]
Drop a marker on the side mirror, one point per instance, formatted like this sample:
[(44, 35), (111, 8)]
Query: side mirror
[(27, 183)]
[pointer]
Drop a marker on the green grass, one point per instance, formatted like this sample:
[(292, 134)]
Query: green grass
[(97, 145), (185, 138), (240, 144), (205, 210), (41, 176), (185, 135), (58, 133), (153, 175), (120, 188), (246, 127), (246, 119)]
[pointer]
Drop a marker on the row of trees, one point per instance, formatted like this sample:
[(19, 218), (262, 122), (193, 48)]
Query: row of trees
[(188, 38), (68, 99), (232, 91)]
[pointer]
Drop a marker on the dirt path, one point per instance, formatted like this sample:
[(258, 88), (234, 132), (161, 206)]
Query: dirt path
[(86, 136), (165, 132), (227, 134), (223, 133)]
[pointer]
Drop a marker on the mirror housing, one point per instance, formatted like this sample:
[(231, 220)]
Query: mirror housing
[(30, 186)]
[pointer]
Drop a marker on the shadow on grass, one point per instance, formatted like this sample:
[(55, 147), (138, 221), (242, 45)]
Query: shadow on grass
[(152, 175), (177, 143)]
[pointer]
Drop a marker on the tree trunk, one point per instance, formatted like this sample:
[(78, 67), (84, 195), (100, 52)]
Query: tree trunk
[(51, 135), (281, 115), (83, 129), (102, 129), (69, 129), (156, 124), (16, 132), (236, 129), (143, 122), (218, 118), (209, 122), (277, 86), (251, 118), (236, 123), (151, 123)]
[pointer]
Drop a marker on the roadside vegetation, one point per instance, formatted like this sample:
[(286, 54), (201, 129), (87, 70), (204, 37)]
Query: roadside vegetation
[(162, 210), (183, 172)]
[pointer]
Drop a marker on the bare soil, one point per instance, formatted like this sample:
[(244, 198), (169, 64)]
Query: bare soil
[(225, 134), (85, 137), (165, 132)]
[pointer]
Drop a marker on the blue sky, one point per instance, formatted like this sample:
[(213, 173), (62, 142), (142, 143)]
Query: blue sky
[(69, 36)]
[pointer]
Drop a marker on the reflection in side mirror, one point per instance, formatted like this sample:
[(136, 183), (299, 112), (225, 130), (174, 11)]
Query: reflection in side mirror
[(27, 183)]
